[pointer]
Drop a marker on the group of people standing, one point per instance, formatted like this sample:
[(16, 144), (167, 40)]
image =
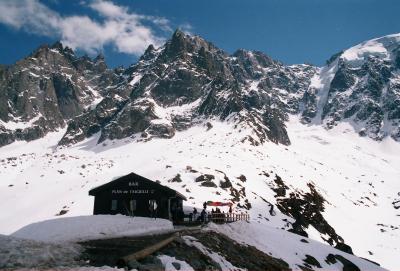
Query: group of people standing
[(204, 215)]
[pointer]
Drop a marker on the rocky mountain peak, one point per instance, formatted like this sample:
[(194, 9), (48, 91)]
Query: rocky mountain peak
[(360, 86), (178, 44), (58, 46), (42, 92), (99, 58), (254, 57), (149, 53), (188, 81), (189, 72)]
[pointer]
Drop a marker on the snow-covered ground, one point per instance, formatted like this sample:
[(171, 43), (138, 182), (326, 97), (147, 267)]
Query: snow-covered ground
[(52, 243), (80, 228), (358, 177), (168, 263), (287, 246)]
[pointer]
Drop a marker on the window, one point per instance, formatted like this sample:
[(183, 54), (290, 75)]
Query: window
[(114, 205), (152, 204), (132, 205)]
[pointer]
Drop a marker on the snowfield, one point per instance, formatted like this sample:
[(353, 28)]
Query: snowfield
[(358, 177), (81, 228), (381, 47)]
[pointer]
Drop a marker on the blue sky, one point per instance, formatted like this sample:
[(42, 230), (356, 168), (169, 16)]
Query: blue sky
[(292, 31)]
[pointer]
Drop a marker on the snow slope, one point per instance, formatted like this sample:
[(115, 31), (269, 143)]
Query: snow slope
[(290, 247), (358, 177), (380, 47)]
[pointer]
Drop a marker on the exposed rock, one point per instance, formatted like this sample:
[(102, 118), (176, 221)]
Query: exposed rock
[(345, 248), (176, 179), (311, 261), (209, 184), (226, 183), (307, 209), (241, 256), (347, 265), (205, 178), (242, 178)]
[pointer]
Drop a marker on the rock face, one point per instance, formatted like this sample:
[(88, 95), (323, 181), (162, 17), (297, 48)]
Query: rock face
[(42, 92), (361, 86), (188, 81)]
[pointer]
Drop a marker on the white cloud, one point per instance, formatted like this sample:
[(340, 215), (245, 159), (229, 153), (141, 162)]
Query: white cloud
[(109, 9), (29, 15), (186, 28), (126, 31)]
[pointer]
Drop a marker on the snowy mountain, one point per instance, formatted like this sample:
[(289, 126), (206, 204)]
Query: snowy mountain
[(188, 79), (360, 86), (40, 93), (206, 123)]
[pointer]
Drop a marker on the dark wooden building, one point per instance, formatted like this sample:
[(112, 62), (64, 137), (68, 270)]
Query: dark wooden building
[(135, 195)]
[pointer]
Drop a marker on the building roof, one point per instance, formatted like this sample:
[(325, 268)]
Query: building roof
[(129, 177)]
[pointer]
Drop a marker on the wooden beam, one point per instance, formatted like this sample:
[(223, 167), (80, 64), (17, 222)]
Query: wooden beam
[(147, 251)]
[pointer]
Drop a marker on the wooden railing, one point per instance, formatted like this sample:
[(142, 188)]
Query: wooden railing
[(227, 217), (213, 217)]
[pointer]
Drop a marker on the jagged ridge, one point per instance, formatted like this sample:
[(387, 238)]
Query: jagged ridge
[(189, 80)]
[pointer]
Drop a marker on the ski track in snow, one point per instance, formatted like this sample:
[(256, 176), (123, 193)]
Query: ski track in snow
[(358, 177)]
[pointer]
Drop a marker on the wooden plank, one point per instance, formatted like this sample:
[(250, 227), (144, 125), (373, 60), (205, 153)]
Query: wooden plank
[(148, 250)]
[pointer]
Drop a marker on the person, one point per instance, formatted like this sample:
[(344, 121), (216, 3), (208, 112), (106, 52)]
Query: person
[(153, 209), (190, 217), (229, 215), (205, 205), (203, 216), (194, 213)]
